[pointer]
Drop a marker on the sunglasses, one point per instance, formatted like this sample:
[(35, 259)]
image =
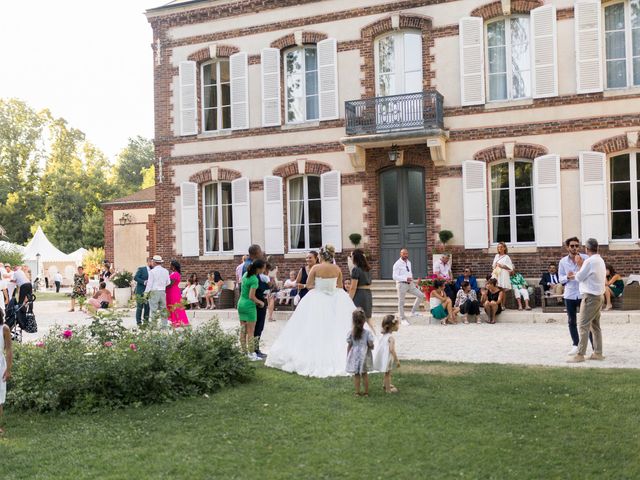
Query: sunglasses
[(574, 246)]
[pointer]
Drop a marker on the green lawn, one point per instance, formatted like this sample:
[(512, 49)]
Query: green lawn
[(47, 296), (449, 420)]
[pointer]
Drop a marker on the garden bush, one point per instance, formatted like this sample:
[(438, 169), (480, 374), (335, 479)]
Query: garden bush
[(106, 365)]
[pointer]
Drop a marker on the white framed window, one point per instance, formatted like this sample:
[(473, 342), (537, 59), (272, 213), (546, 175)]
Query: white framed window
[(508, 53), (301, 84), (622, 43), (218, 217), (398, 63), (304, 212), (511, 202), (623, 196), (216, 95)]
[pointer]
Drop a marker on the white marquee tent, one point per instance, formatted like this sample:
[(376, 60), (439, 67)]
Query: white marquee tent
[(45, 259)]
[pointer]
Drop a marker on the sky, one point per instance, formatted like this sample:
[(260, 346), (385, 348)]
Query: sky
[(87, 61)]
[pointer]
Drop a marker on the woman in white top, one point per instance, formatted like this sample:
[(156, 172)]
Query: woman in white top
[(441, 305), (502, 267)]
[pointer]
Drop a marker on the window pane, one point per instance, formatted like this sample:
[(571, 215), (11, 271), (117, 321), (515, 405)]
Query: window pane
[(524, 201), (226, 193), (500, 202), (389, 198), (498, 87), (415, 193), (524, 229), (297, 237), (616, 74), (501, 229), (224, 71), (226, 117), (226, 94), (496, 33), (315, 236), (615, 47), (313, 187), (619, 168), (520, 58), (211, 119), (294, 62), (614, 17), (209, 217), (312, 108), (386, 55), (227, 239), (386, 85), (636, 71), (227, 216), (315, 215), (500, 175), (209, 74), (620, 196), (620, 225), (295, 188), (635, 13), (210, 195), (523, 174), (635, 42), (310, 59), (497, 60)]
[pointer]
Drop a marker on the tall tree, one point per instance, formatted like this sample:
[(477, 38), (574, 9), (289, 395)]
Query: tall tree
[(132, 161)]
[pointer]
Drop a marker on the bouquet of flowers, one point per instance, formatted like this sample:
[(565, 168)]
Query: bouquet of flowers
[(426, 285)]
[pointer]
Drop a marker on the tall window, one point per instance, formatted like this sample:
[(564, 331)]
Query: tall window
[(509, 55), (512, 202), (216, 96), (305, 213), (398, 64), (624, 188), (301, 74), (218, 218), (622, 43)]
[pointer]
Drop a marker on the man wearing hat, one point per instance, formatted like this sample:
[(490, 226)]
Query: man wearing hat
[(157, 284)]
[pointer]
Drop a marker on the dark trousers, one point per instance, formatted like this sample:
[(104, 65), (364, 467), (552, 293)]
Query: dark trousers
[(26, 289), (57, 287), (257, 332), (470, 307), (450, 291), (572, 317), (142, 307)]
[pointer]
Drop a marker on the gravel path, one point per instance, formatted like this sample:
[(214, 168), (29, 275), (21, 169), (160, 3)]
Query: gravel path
[(506, 343)]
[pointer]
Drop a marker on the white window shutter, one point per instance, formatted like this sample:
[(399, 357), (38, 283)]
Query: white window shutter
[(471, 61), (547, 201), (273, 215), (593, 197), (330, 188), (588, 32), (189, 219), (188, 100), (270, 64), (474, 186), (238, 66), (241, 210), (545, 51), (328, 79)]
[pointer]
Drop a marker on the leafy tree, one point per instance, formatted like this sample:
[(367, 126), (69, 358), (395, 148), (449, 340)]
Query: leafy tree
[(148, 177), (131, 164), (11, 256)]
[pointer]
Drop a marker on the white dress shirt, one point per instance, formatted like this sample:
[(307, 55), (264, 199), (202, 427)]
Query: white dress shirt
[(57, 277), (20, 278), (443, 270), (592, 276), (158, 279), (402, 270), (571, 287)]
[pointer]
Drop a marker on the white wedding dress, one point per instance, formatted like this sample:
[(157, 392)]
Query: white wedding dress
[(314, 341)]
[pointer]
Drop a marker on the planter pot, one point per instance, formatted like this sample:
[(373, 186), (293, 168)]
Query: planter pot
[(122, 296)]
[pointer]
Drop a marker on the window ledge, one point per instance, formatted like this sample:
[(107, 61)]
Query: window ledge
[(507, 103), (625, 245), (515, 249), (220, 133), (295, 255), (618, 92), (295, 126), (216, 256)]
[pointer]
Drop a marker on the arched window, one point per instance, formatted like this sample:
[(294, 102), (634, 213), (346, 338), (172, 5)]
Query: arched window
[(216, 95), (624, 176), (512, 215), (301, 84), (218, 217), (508, 56), (304, 212), (398, 63), (622, 43)]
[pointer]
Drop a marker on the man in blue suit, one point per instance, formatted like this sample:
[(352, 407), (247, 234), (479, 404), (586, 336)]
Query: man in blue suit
[(141, 277)]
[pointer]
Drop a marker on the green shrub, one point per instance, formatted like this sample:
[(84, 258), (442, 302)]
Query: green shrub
[(105, 365), (122, 279), (11, 256)]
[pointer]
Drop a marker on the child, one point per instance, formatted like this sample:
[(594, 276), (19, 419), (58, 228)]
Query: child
[(359, 357), (289, 289), (386, 357), (519, 285), (190, 292), (6, 361), (441, 306)]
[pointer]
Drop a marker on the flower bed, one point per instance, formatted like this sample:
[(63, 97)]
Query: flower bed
[(106, 365)]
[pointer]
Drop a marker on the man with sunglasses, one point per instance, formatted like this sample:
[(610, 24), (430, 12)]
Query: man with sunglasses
[(566, 273), (403, 276)]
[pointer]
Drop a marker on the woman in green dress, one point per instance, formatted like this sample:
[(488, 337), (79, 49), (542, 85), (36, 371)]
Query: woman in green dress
[(615, 286), (247, 311)]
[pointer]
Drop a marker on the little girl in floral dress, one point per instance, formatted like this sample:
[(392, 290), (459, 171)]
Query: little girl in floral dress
[(359, 357), (386, 358), (190, 292)]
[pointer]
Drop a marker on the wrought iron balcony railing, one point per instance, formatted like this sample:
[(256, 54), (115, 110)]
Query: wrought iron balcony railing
[(421, 110)]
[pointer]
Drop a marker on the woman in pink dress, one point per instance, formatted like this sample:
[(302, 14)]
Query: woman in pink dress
[(177, 315)]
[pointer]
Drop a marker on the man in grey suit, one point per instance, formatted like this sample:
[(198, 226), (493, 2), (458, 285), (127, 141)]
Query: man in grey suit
[(142, 304)]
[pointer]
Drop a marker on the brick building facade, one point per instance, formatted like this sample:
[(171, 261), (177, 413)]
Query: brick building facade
[(276, 122)]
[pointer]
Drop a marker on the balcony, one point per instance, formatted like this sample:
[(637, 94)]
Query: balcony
[(412, 118)]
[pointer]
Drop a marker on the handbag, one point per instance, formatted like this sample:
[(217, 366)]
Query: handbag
[(27, 322)]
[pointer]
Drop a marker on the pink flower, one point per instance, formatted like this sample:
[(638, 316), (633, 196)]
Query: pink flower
[(108, 344), (133, 347), (40, 344), (67, 334)]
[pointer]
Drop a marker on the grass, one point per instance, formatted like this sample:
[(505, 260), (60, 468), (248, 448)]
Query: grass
[(49, 296), (449, 420)]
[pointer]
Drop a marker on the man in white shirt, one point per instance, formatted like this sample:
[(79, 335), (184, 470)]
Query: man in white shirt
[(442, 268), (157, 284), (22, 283), (403, 276), (592, 277), (571, 293), (57, 279)]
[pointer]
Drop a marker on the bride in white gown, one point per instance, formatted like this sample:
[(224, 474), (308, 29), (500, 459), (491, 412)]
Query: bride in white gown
[(314, 341)]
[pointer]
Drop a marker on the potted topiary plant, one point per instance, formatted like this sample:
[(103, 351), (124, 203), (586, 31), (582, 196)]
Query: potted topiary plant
[(355, 239), (122, 292)]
